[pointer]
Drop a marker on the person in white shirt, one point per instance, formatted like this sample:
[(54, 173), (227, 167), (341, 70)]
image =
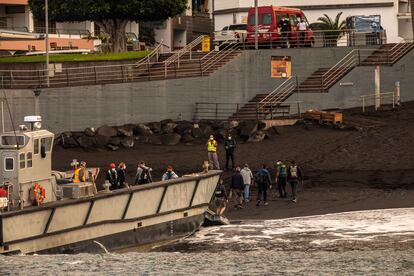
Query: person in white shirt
[(302, 27), (247, 180)]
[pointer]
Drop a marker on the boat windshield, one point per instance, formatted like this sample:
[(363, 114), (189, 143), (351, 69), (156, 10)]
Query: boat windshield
[(11, 140)]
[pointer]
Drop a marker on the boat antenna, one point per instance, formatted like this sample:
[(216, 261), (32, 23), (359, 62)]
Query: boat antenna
[(9, 111)]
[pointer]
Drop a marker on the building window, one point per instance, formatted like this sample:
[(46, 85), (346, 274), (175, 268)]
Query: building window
[(29, 158), (9, 164), (47, 143), (36, 146), (22, 159)]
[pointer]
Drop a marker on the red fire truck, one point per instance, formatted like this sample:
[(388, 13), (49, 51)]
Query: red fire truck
[(268, 31)]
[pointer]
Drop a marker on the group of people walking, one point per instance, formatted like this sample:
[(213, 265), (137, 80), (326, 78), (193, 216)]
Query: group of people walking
[(243, 179)]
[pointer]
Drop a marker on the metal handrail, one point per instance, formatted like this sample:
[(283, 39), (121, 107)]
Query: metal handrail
[(154, 52), (188, 48), (217, 56)]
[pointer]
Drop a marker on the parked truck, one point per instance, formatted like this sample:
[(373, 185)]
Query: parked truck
[(230, 34)]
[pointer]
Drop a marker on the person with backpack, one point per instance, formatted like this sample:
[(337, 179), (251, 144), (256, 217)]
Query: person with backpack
[(281, 178), (143, 175), (263, 182), (169, 174), (294, 176)]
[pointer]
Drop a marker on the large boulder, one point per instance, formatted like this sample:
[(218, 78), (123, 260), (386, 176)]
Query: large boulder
[(166, 121), (170, 139), (89, 132), (155, 140), (112, 147), (220, 134), (86, 142), (155, 127), (233, 124), (271, 132), (114, 141), (101, 141), (68, 141), (247, 128), (168, 128), (187, 138), (142, 130), (261, 125), (257, 136), (127, 142), (107, 131), (207, 130), (126, 131), (184, 128), (197, 133)]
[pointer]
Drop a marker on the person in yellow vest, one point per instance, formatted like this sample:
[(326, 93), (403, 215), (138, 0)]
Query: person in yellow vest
[(80, 173), (212, 153)]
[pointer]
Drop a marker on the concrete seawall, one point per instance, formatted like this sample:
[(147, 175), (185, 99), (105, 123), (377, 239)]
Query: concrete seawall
[(75, 108)]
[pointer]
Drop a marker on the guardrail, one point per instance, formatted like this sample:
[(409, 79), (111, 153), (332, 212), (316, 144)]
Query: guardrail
[(315, 38), (226, 111), (376, 100), (188, 48)]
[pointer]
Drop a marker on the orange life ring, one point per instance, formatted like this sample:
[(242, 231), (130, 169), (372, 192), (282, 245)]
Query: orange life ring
[(39, 194)]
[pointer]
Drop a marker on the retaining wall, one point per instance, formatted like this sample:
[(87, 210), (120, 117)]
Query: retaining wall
[(75, 108)]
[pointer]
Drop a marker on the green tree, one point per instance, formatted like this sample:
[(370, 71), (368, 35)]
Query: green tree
[(332, 28), (110, 15)]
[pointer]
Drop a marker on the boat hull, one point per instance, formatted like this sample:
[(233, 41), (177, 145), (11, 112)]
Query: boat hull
[(124, 218)]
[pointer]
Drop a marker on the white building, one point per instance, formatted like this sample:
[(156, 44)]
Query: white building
[(395, 14)]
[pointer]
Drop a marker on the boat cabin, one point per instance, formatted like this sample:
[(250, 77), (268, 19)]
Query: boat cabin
[(26, 160)]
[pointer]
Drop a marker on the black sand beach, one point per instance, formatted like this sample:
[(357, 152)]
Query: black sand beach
[(370, 166)]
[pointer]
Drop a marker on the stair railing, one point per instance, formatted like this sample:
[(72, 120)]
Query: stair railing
[(400, 49), (210, 60), (155, 52), (278, 95), (188, 48), (349, 61)]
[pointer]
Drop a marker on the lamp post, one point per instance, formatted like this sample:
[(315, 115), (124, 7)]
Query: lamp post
[(47, 42), (256, 21)]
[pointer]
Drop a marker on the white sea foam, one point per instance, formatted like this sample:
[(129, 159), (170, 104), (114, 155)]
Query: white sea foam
[(363, 226)]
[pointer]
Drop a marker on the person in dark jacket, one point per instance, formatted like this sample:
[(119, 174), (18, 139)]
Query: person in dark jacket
[(229, 146), (112, 176), (236, 188), (121, 175), (220, 198), (263, 182), (284, 28), (294, 176)]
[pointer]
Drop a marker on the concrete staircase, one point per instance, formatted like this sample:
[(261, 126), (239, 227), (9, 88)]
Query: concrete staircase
[(263, 105)]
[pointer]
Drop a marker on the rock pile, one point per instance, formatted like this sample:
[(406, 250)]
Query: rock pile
[(166, 132)]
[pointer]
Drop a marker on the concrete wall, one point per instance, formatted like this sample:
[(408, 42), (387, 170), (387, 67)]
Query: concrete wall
[(75, 108), (362, 79)]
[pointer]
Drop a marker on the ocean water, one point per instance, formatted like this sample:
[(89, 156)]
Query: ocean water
[(379, 242)]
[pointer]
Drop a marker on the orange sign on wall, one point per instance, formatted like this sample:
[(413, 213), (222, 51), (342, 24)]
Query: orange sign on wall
[(281, 67)]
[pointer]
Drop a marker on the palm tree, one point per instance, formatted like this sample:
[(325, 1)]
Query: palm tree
[(332, 28)]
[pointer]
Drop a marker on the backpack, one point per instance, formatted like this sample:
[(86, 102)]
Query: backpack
[(294, 172), (261, 177), (282, 170)]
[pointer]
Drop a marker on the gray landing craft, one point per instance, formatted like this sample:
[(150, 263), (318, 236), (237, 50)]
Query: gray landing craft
[(39, 215)]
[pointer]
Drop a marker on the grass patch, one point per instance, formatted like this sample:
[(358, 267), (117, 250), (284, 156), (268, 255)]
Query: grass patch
[(78, 57)]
